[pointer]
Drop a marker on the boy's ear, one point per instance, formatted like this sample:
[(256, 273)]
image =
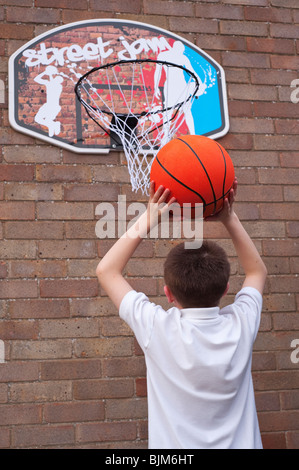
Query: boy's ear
[(226, 289), (168, 294)]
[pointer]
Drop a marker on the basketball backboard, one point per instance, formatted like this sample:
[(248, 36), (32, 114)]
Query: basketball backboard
[(43, 74)]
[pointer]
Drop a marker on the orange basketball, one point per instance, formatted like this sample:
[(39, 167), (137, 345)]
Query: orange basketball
[(196, 169)]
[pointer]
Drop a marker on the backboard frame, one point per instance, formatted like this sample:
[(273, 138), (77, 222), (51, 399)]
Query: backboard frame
[(78, 147)]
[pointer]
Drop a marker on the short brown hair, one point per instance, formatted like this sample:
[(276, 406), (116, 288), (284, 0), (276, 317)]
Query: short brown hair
[(197, 277)]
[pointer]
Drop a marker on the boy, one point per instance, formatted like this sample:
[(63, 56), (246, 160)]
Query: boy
[(198, 357)]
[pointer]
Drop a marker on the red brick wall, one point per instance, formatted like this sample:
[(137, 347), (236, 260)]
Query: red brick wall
[(74, 376)]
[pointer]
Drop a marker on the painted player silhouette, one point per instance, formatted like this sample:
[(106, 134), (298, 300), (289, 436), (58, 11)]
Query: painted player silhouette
[(49, 111), (176, 82)]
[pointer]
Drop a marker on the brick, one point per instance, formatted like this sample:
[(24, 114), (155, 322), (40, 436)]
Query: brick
[(32, 15), (46, 349), (5, 438), (274, 440), (286, 126), (65, 173), (240, 108), (20, 414), (94, 192), (84, 268), (67, 249), (250, 28), (15, 329), (75, 4), (261, 3), (12, 31), (278, 176), (194, 25), (74, 412), (285, 321), (65, 211), (17, 210), (71, 369), (16, 172), (31, 154), (101, 388), (83, 230), (284, 31), (105, 432), (256, 126), (267, 14), (41, 392), (277, 265), (279, 211), (158, 7), (141, 388), (278, 380), (292, 438), (273, 77), (285, 62), (260, 193), (276, 142), (221, 43), (291, 193), (250, 60), (111, 174), (69, 288), (279, 302), (103, 347), (101, 306), (293, 229), (219, 11), (279, 421), (267, 401), (148, 267), (18, 289), (263, 361), (252, 92), (38, 308), (289, 159), (36, 230), (3, 393), (70, 16), (284, 283), (69, 328), (19, 371), (125, 6), (126, 409), (33, 192), (124, 367), (43, 436), (263, 229), (278, 46), (114, 327)]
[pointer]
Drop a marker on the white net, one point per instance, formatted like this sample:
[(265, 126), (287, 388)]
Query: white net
[(126, 100)]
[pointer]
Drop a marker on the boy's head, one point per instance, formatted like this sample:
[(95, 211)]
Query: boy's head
[(197, 277)]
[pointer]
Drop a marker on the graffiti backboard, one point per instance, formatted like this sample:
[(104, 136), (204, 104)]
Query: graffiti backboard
[(43, 74)]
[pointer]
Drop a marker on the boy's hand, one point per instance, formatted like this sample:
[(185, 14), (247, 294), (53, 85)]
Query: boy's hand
[(158, 203), (227, 210)]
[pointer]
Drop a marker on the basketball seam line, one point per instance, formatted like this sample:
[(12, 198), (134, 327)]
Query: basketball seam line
[(207, 174), (176, 179), (224, 178)]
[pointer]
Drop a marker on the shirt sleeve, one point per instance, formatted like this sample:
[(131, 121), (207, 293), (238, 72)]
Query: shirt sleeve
[(139, 313), (248, 305)]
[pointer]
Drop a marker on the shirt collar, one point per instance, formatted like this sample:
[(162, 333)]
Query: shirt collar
[(200, 313)]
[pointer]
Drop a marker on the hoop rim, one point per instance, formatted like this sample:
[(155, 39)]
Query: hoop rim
[(138, 61)]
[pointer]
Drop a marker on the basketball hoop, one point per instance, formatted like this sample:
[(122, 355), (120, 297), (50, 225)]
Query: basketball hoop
[(138, 114)]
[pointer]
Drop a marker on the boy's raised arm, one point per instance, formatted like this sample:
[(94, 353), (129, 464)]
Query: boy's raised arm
[(253, 265), (110, 268)]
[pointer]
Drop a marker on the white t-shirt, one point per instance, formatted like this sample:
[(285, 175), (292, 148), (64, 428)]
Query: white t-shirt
[(199, 383)]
